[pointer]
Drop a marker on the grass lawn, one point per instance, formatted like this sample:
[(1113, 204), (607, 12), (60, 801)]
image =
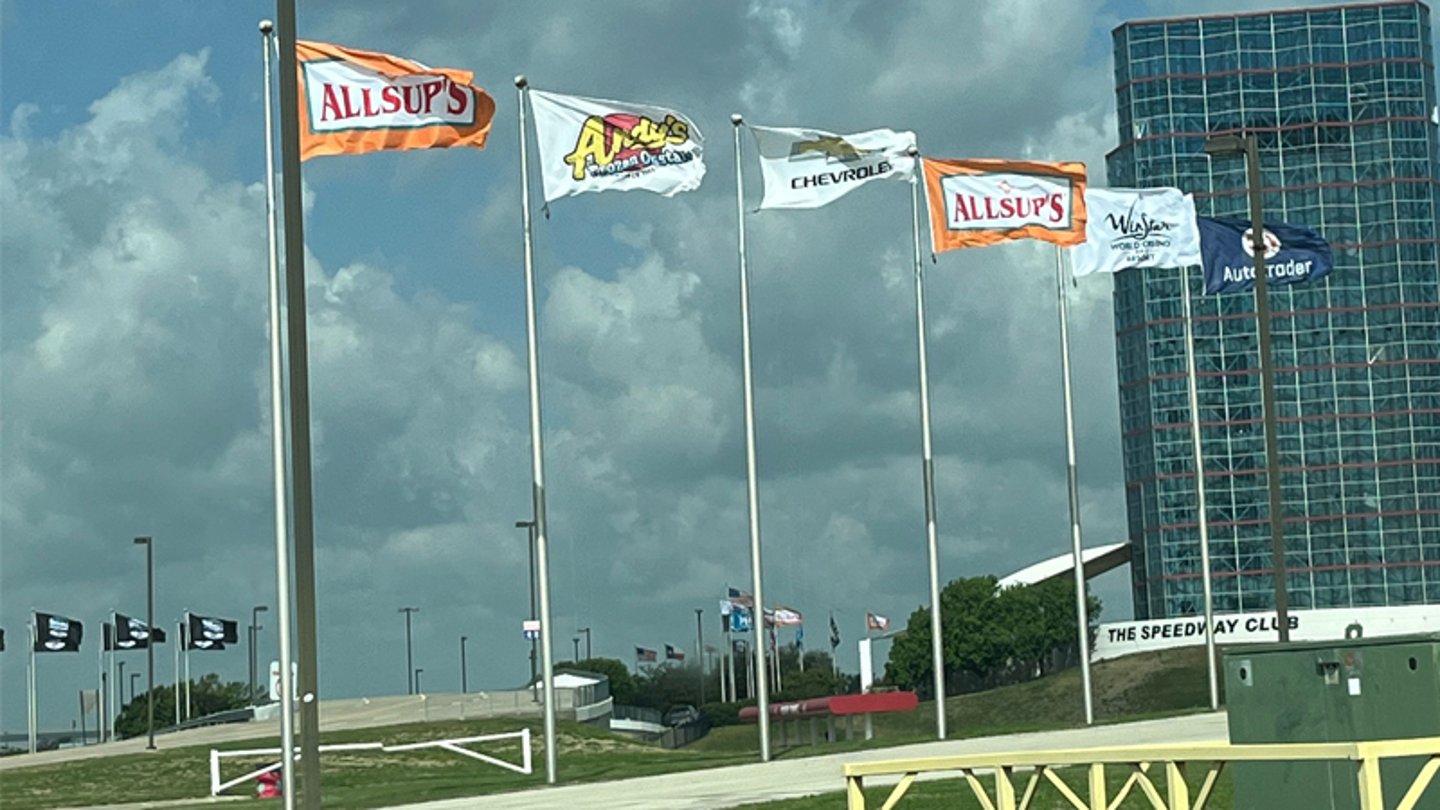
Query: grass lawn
[(1138, 686)]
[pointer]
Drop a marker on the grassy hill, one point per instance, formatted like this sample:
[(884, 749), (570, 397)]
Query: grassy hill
[(1146, 685)]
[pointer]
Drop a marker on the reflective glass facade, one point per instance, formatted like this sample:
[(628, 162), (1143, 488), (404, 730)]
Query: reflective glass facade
[(1342, 101)]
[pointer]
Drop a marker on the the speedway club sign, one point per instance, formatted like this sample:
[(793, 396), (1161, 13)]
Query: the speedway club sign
[(979, 202), (589, 144), (354, 101), (1327, 624), (808, 168)]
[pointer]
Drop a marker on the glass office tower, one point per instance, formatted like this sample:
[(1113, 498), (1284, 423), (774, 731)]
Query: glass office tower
[(1342, 101)]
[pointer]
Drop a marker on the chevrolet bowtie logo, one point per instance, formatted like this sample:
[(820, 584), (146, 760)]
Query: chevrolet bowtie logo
[(833, 146)]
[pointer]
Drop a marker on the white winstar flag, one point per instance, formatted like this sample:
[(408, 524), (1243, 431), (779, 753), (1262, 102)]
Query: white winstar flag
[(589, 144), (808, 168), (1149, 227)]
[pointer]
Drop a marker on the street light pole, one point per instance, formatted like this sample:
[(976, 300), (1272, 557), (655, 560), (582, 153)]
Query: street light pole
[(254, 637), (463, 684), (700, 651), (1246, 145), (409, 658), (577, 648), (150, 636), (529, 526), (588, 653)]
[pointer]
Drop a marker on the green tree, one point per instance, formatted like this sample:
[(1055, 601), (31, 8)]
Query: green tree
[(207, 696), (992, 636), (622, 683)]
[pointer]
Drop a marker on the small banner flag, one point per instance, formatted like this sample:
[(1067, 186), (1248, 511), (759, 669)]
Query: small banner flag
[(834, 632), (353, 102), (2, 639), (874, 621), (1292, 254), (741, 598), (589, 144), (1149, 227), (208, 633), (983, 202), (808, 168), (644, 654), (783, 617), (740, 620), (672, 654), (57, 634), (131, 634), (800, 637)]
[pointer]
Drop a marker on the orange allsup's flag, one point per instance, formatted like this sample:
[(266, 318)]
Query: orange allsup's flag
[(353, 102), (982, 202)]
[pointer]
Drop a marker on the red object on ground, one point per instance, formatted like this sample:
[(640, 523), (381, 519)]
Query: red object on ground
[(837, 705), (269, 786)]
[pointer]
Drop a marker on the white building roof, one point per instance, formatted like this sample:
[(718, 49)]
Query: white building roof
[(1098, 560)]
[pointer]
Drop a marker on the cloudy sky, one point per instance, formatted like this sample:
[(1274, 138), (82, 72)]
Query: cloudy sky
[(134, 384)]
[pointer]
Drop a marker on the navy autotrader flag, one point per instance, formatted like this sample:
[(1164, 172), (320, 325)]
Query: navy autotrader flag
[(57, 633), (1292, 254)]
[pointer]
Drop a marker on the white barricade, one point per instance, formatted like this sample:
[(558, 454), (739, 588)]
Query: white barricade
[(453, 745)]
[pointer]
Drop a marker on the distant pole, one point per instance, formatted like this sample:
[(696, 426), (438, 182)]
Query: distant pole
[(254, 637), (700, 651), (529, 527), (32, 715), (577, 648), (418, 672), (409, 657), (588, 653), (133, 676), (149, 545), (464, 687)]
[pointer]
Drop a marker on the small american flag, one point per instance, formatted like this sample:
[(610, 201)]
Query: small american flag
[(643, 654), (874, 621)]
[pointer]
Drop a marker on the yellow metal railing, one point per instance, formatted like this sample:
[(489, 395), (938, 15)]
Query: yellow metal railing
[(1015, 777)]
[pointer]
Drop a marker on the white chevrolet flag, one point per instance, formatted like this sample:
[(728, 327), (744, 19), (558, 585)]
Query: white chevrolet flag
[(589, 144), (1149, 227), (808, 168)]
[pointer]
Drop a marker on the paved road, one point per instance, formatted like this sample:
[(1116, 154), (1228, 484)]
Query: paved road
[(335, 715), (788, 778)]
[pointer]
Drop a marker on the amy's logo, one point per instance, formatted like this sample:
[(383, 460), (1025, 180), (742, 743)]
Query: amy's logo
[(832, 147), (622, 142)]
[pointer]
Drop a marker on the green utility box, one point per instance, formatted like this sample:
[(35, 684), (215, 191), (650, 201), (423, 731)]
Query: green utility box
[(1331, 691)]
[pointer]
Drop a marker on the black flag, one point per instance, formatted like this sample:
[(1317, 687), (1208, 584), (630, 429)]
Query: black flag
[(207, 633), (57, 633), (131, 634), (834, 632)]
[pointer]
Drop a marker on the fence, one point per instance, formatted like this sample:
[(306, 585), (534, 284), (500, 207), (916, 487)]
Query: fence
[(1138, 762)]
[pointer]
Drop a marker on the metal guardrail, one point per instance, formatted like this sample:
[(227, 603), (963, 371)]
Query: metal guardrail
[(1139, 761)]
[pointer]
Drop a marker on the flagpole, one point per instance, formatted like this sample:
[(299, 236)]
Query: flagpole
[(537, 448), (179, 642), (277, 437), (189, 713), (100, 691), (937, 638), (1201, 519), (298, 391), (752, 487), (115, 699), (1081, 608), (31, 713)]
